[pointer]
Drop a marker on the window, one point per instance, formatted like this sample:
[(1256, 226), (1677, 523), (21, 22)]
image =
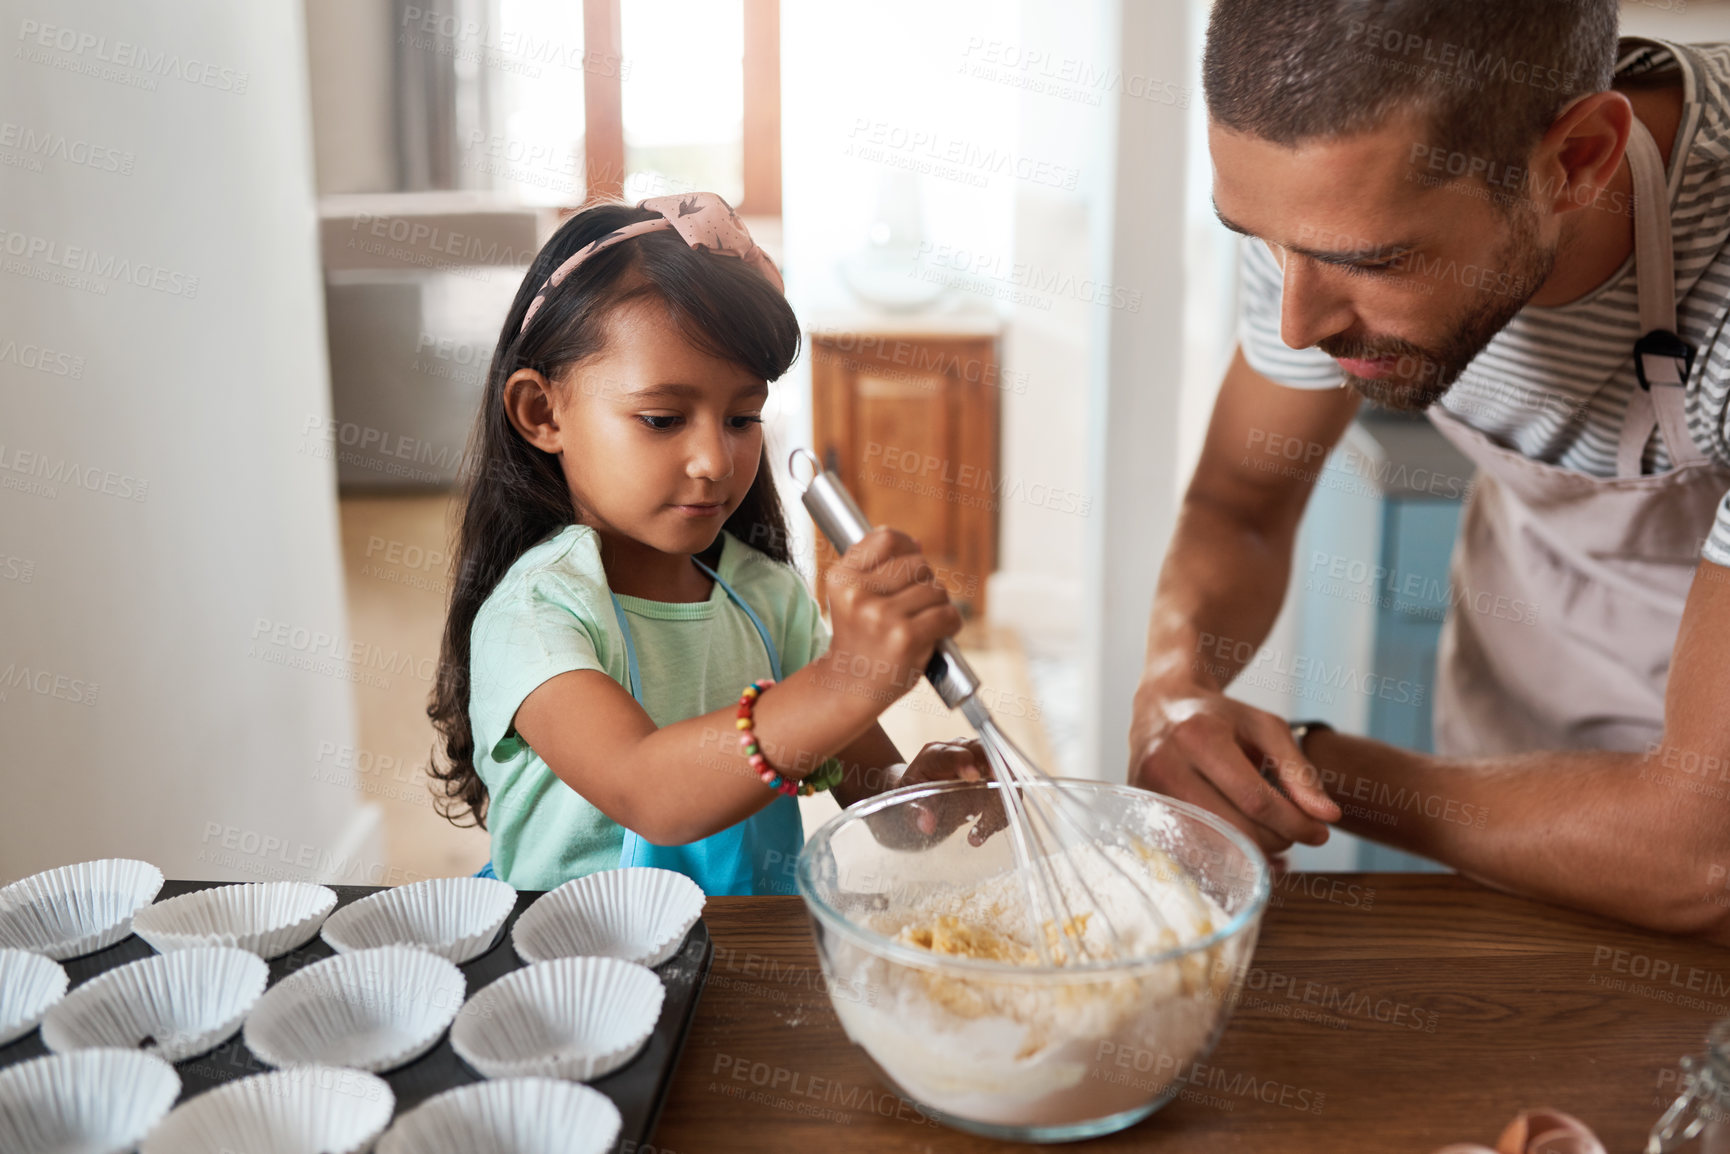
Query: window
[(669, 96)]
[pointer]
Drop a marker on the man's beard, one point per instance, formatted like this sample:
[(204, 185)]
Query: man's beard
[(1422, 376)]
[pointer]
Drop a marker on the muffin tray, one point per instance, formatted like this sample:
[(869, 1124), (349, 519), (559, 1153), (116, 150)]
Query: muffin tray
[(638, 1089)]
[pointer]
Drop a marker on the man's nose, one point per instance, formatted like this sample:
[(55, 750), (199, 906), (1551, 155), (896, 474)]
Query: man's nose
[(1312, 308)]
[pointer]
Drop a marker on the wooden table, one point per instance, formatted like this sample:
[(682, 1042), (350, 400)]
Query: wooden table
[(1383, 1012)]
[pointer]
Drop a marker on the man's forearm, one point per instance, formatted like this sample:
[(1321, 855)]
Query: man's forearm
[(1230, 554), (1615, 833), (1218, 595)]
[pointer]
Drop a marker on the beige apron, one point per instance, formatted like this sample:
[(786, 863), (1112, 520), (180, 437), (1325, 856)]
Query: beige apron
[(1607, 562)]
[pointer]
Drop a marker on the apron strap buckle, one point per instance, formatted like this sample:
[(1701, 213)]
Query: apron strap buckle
[(1662, 358)]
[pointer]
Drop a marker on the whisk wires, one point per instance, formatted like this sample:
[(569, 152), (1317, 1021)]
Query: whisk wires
[(1050, 830)]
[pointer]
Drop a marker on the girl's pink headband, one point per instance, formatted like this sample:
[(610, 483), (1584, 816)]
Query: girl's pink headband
[(703, 219)]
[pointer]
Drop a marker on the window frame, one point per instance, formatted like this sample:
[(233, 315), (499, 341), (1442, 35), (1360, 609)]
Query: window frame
[(603, 106)]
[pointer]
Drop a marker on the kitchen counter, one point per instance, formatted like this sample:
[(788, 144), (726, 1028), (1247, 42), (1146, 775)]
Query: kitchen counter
[(1382, 1012)]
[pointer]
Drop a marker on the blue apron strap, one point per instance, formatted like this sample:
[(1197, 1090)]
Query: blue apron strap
[(634, 682), (774, 655), (754, 856)]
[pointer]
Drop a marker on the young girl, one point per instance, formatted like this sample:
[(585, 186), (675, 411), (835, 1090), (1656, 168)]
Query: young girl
[(623, 575)]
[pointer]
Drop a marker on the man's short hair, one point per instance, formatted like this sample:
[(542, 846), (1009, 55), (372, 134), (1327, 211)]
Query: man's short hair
[(1489, 76)]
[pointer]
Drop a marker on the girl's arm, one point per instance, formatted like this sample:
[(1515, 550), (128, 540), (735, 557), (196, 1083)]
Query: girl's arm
[(685, 781), (867, 762)]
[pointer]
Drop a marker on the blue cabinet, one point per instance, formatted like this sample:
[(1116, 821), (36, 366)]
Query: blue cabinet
[(1371, 589)]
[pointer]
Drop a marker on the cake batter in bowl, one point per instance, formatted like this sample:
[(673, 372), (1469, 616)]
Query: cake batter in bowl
[(932, 964)]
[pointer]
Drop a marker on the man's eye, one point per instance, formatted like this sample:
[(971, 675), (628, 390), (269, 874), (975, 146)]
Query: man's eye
[(659, 423), (1385, 266)]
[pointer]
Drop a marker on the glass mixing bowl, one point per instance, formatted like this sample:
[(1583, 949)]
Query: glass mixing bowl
[(1027, 1052)]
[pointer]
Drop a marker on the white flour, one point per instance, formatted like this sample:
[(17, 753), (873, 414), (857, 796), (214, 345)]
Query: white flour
[(1041, 1049)]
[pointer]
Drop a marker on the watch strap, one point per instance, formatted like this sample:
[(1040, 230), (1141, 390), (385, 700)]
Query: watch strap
[(1302, 729)]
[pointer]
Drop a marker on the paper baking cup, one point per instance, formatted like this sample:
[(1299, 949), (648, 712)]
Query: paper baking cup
[(370, 1009), (575, 1018), (639, 914), (29, 985), (515, 1116), (76, 909), (175, 1006), (265, 918), (312, 1110), (455, 918), (91, 1102)]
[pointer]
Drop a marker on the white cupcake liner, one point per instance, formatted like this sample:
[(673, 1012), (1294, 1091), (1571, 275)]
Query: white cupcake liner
[(639, 914), (311, 1110), (370, 1009), (572, 1018), (265, 918), (513, 1116), (76, 909), (455, 918), (93, 1102), (30, 984), (175, 1006)]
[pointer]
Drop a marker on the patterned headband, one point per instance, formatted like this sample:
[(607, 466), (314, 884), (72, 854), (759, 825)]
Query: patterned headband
[(704, 220)]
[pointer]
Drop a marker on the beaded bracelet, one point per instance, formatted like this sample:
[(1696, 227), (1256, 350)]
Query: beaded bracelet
[(754, 752)]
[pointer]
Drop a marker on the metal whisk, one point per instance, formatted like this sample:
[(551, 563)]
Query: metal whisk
[(1050, 825)]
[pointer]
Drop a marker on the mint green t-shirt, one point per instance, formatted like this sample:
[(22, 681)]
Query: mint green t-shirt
[(551, 614)]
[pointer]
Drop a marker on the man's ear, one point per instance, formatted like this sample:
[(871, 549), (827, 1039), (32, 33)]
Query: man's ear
[(528, 399), (1582, 151)]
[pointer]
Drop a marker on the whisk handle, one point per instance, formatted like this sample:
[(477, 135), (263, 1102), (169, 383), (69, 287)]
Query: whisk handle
[(950, 675), (832, 507)]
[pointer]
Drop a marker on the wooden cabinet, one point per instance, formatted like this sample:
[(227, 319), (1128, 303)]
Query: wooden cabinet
[(908, 416)]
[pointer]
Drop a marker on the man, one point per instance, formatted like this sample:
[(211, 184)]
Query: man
[(1442, 202)]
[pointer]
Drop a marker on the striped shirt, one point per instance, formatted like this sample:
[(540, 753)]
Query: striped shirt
[(1555, 383)]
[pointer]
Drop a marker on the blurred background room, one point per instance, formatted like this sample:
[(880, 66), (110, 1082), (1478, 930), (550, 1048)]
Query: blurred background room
[(249, 298)]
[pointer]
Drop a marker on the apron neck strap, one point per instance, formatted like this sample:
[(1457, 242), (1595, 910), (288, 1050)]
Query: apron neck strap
[(634, 681), (762, 630), (1662, 359), (1654, 259)]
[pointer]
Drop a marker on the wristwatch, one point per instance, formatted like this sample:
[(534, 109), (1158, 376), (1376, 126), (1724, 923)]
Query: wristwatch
[(1302, 729)]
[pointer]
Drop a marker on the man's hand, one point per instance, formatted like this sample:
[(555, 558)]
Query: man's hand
[(1200, 746)]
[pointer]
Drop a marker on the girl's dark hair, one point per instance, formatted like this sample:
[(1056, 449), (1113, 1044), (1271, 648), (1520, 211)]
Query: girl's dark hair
[(514, 495)]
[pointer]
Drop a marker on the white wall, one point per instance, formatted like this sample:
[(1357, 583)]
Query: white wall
[(848, 71), (1093, 100), (943, 92), (1063, 130), (166, 498), (1137, 382)]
